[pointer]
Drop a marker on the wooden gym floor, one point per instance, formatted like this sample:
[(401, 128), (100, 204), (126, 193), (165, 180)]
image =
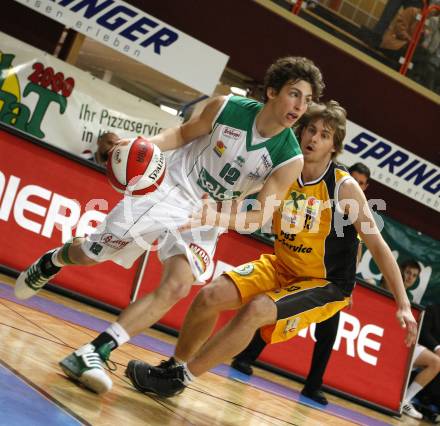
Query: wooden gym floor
[(37, 333)]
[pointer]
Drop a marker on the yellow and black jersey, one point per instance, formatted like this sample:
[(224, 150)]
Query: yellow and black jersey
[(313, 236)]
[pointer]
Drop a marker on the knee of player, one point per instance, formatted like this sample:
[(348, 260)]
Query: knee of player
[(436, 362), (175, 289), (208, 297), (260, 311)]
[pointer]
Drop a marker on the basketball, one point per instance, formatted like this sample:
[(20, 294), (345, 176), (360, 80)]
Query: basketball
[(136, 167)]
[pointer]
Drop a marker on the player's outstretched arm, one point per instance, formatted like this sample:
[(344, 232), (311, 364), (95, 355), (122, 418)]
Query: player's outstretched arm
[(194, 128), (269, 198), (360, 215)]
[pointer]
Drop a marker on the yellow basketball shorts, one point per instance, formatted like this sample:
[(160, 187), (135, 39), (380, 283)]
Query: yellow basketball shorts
[(300, 301)]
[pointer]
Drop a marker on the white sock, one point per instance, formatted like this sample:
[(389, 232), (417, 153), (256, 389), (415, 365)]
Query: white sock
[(54, 258), (187, 375), (413, 389), (118, 333)]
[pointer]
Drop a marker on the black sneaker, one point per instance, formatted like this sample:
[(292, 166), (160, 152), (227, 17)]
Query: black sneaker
[(162, 382), (169, 363), (317, 395), (242, 366)]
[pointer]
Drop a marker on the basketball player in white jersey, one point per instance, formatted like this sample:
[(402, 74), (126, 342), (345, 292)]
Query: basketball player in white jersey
[(232, 149)]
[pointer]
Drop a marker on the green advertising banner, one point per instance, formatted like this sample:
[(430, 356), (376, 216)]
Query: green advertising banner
[(407, 243)]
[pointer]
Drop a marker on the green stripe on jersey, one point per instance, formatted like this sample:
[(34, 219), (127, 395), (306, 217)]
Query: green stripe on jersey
[(240, 113)]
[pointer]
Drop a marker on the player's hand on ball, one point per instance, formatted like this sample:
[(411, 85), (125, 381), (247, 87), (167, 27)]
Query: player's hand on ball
[(135, 167)]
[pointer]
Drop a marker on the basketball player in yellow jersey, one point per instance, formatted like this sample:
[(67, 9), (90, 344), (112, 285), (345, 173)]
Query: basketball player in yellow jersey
[(309, 277)]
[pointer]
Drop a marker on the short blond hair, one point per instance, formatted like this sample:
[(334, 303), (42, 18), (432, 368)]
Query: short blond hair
[(333, 115)]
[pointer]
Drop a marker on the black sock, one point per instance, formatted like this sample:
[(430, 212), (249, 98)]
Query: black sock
[(253, 350), (103, 339), (47, 267)]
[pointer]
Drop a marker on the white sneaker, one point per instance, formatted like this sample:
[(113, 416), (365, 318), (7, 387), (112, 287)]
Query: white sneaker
[(85, 366), (410, 411)]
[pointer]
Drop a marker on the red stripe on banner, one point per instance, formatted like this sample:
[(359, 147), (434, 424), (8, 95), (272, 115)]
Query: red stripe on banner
[(41, 186)]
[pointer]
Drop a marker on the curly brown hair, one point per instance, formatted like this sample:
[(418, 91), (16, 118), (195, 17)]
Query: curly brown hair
[(293, 68), (333, 115)]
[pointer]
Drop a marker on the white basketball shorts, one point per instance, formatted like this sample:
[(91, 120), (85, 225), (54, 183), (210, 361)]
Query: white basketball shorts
[(139, 224)]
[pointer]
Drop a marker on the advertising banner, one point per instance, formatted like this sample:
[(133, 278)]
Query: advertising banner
[(393, 165), (66, 107), (140, 36), (369, 346), (407, 243), (45, 200)]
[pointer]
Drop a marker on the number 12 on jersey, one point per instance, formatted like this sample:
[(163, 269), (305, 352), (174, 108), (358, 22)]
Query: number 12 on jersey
[(230, 174)]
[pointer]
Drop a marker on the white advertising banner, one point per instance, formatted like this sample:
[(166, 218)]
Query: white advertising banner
[(66, 107), (393, 165), (140, 36)]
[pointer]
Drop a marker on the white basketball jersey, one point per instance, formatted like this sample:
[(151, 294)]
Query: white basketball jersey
[(233, 160)]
